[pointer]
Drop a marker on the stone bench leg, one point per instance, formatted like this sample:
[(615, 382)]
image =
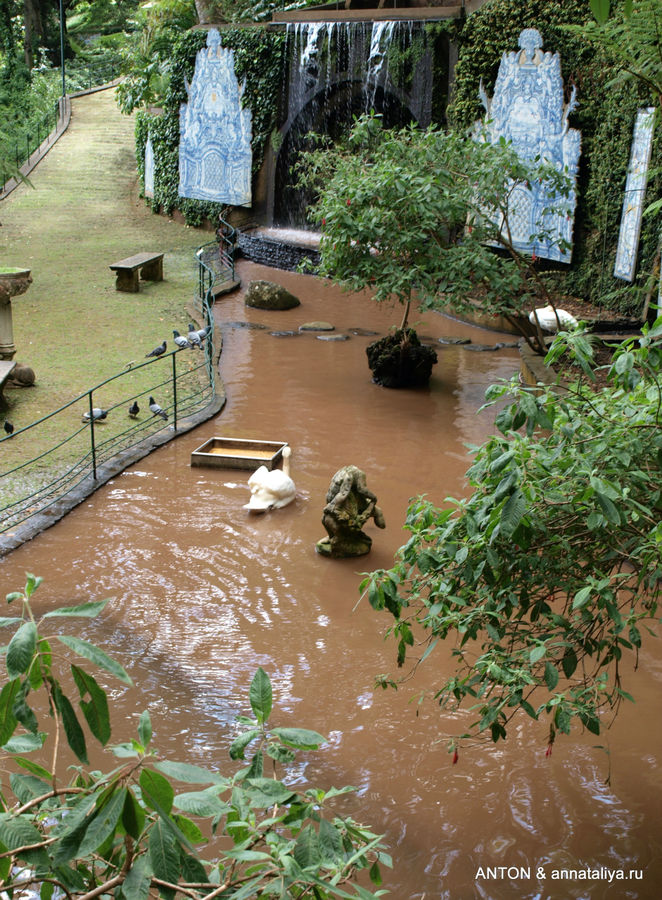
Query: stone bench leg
[(127, 281), (152, 271)]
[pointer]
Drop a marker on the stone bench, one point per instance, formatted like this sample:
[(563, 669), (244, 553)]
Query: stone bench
[(7, 366), (129, 271)]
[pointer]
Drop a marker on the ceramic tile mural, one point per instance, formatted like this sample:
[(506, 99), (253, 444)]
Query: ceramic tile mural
[(528, 109), (635, 190), (149, 168), (215, 132)]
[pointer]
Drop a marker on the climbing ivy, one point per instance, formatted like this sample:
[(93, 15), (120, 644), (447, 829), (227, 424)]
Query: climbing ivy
[(258, 62), (605, 116)]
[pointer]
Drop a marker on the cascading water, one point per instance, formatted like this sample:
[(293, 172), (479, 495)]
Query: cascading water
[(337, 71)]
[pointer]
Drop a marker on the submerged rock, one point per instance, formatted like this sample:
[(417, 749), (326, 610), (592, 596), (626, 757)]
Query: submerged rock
[(268, 295)]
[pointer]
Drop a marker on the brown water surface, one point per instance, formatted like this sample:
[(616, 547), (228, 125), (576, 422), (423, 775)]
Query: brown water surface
[(204, 592)]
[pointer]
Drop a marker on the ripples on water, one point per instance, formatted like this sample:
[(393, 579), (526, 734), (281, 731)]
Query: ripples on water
[(204, 593)]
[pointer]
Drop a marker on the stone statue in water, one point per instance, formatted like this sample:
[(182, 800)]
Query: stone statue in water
[(349, 505)]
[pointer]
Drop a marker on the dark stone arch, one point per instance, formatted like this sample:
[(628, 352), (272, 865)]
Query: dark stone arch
[(329, 112)]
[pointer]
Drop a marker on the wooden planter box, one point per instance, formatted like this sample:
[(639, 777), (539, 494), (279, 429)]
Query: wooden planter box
[(237, 453)]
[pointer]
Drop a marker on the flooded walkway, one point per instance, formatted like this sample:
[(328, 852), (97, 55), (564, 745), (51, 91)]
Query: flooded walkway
[(204, 593)]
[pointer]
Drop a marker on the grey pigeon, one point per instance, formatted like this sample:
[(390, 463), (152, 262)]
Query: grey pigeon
[(204, 332), (134, 409), (194, 337), (97, 414), (157, 410), (157, 351), (180, 340)]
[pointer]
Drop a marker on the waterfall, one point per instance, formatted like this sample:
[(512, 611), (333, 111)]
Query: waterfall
[(337, 71)]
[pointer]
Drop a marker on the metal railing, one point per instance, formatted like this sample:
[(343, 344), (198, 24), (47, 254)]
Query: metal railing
[(182, 383), (216, 262)]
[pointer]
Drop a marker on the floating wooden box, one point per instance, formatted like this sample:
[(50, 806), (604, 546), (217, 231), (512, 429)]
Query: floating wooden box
[(237, 453)]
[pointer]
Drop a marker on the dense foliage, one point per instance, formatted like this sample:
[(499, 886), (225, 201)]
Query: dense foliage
[(132, 831), (541, 583), (415, 213), (605, 116)]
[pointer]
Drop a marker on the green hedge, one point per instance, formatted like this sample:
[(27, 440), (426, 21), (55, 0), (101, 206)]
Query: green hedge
[(605, 116), (258, 60)]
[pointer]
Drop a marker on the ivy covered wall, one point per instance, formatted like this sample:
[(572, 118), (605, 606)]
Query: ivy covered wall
[(258, 59), (605, 116)]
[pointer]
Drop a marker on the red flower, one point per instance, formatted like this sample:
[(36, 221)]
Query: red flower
[(455, 756), (548, 751), (533, 256), (349, 202), (323, 221)]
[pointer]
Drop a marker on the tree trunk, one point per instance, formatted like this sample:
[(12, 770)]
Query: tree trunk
[(34, 29)]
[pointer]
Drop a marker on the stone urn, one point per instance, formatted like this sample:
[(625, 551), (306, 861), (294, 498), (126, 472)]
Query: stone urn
[(13, 283)]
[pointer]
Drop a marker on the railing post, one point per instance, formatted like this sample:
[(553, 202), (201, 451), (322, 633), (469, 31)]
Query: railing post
[(174, 389), (92, 444)]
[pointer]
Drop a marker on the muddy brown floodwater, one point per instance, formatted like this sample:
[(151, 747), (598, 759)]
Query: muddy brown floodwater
[(205, 592)]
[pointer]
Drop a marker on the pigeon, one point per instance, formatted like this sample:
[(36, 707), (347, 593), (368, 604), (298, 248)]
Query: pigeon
[(134, 409), (180, 340), (156, 410), (9, 428), (194, 337), (97, 415), (204, 332), (157, 351)]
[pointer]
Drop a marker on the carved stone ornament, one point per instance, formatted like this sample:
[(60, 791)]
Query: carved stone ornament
[(215, 154), (528, 109)]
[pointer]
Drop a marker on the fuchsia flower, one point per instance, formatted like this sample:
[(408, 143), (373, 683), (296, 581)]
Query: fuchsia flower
[(455, 756)]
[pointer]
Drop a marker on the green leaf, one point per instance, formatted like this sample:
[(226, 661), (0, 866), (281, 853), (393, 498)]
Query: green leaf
[(536, 653), (95, 709), (138, 880), (104, 824), (95, 655), (72, 729), (551, 675), (330, 842), (260, 695), (299, 738), (608, 508), (31, 584), (600, 10), (512, 513), (21, 649), (156, 790), (205, 804), (307, 849), (239, 744), (83, 610), (32, 766), (188, 773), (569, 663), (25, 743), (133, 816), (582, 597), (145, 729), (28, 787), (265, 792), (12, 620), (190, 829), (8, 720), (164, 854), (18, 831)]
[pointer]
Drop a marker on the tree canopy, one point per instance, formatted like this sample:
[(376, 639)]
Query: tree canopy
[(424, 215)]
